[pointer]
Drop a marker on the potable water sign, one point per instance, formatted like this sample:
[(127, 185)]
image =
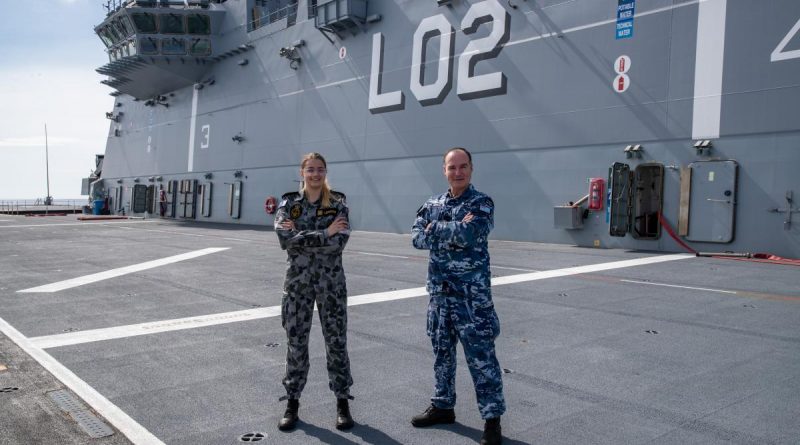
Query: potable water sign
[(625, 12)]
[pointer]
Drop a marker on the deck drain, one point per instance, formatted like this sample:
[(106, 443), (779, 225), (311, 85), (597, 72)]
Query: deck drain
[(90, 423), (749, 306), (562, 294), (650, 331), (252, 437), (71, 329), (9, 389), (508, 371), (65, 401), (272, 345)]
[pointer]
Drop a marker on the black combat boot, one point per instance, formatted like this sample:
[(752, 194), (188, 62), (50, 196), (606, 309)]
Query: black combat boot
[(289, 420), (344, 421), (434, 416), (492, 435)]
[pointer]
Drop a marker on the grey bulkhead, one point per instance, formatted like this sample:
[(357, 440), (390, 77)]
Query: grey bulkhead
[(559, 122)]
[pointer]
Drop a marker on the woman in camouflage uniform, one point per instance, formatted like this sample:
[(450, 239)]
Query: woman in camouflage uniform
[(312, 227)]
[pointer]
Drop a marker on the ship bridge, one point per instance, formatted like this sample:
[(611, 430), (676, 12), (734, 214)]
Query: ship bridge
[(158, 46)]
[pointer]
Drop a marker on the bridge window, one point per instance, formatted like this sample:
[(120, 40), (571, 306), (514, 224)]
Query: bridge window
[(112, 32), (123, 24), (145, 22), (172, 24), (105, 37), (173, 45), (200, 47), (199, 24), (148, 45)]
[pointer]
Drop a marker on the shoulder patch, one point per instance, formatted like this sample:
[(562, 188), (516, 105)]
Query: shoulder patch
[(295, 211), (338, 195), (290, 195)]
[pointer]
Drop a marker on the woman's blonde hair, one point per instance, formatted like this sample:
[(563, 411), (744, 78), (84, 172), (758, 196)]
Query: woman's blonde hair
[(325, 199)]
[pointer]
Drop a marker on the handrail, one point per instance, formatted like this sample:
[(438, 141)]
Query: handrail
[(21, 206), (268, 17)]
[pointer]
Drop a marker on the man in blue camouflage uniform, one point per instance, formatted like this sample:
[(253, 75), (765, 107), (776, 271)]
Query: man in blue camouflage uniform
[(455, 226)]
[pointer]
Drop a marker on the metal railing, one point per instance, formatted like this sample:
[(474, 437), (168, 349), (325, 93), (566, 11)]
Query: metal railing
[(23, 206), (265, 17)]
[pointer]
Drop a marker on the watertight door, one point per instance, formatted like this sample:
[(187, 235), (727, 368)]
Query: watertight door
[(619, 180), (204, 191), (712, 201), (139, 198), (235, 199), (172, 198)]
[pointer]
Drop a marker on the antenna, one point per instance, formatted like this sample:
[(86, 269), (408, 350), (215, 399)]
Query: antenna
[(48, 200)]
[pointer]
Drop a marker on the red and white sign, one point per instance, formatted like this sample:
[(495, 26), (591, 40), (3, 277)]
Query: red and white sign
[(621, 83), (622, 64), (342, 52)]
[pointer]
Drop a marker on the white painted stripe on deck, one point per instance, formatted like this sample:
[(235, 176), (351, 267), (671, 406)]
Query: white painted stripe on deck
[(708, 66), (113, 273), (136, 433), (134, 330), (512, 279), (83, 224), (73, 338), (680, 287), (515, 268), (379, 254)]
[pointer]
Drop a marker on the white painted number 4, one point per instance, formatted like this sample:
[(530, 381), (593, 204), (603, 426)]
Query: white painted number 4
[(779, 54)]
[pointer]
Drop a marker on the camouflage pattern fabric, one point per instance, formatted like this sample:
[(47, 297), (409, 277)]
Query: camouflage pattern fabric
[(460, 307), (314, 273)]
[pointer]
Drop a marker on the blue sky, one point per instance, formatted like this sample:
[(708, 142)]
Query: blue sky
[(48, 57)]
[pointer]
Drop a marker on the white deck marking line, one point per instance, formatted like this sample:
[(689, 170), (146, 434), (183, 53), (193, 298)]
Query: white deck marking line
[(512, 279), (378, 254), (131, 429), (133, 330), (113, 273), (83, 224), (171, 232), (681, 287), (73, 338), (515, 268)]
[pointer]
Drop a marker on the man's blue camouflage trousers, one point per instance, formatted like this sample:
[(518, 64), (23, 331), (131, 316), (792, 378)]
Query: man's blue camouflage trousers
[(474, 322)]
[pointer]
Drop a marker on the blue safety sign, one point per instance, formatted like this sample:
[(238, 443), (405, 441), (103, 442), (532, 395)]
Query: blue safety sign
[(625, 12)]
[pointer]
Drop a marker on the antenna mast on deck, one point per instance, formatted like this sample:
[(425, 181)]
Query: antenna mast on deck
[(48, 200)]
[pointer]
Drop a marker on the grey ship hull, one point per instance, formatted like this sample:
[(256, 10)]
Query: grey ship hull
[(713, 70)]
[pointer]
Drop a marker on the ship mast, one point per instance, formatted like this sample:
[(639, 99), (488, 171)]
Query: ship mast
[(48, 199)]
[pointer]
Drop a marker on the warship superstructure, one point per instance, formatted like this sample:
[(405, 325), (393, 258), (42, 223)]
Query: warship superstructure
[(608, 123)]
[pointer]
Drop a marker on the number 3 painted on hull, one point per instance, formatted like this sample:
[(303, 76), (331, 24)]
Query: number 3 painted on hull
[(470, 86)]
